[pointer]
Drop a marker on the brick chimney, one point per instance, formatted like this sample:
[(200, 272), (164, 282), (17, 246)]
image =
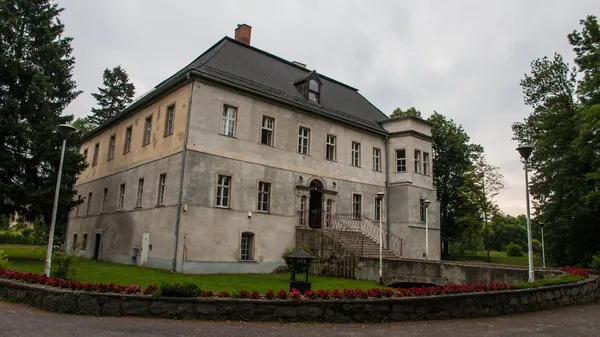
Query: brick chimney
[(243, 33)]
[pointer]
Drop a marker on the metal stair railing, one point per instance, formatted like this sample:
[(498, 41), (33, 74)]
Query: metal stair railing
[(370, 228)]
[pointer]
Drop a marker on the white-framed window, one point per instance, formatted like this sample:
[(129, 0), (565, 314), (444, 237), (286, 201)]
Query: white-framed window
[(377, 216), (147, 131), (314, 91), (328, 212), (401, 160), (330, 147), (128, 134), (267, 130), (303, 140), (140, 193), (162, 183), (417, 161), (111, 147), (376, 159), (264, 196), (89, 203), (425, 163), (228, 120), (223, 190), (303, 210), (95, 158), (104, 199), (422, 210), (247, 246), (170, 120), (355, 154), (356, 205), (121, 199)]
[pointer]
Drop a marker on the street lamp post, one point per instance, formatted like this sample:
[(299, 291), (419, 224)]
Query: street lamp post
[(65, 131), (380, 196), (525, 152), (426, 205), (543, 252)]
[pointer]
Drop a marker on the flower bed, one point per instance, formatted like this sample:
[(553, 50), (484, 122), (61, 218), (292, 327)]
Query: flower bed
[(322, 294)]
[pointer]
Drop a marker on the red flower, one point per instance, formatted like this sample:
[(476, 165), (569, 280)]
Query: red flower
[(281, 294), (269, 294)]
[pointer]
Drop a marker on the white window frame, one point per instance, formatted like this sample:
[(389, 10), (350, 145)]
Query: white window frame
[(331, 145), (422, 210), (378, 215), (96, 153), (400, 161), (328, 212), (247, 246), (127, 143), (223, 191), (228, 120), (170, 120), (356, 154), (140, 193), (269, 129), (147, 131), (303, 202), (303, 140), (417, 161), (112, 143), (426, 163), (89, 203), (162, 186), (377, 159), (264, 191), (355, 214), (104, 200), (121, 199)]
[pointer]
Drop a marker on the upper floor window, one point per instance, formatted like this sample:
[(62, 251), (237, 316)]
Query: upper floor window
[(417, 161), (400, 160), (89, 203), (267, 130), (422, 210), (228, 120), (121, 199), (170, 120), (314, 91), (127, 146), (223, 190), (376, 159), (264, 196), (355, 154), (425, 163), (303, 140), (247, 246), (104, 200), (147, 130), (95, 158), (330, 148), (111, 147), (162, 183), (140, 193), (85, 153)]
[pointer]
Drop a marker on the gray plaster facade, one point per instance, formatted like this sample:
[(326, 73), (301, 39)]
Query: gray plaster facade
[(208, 236)]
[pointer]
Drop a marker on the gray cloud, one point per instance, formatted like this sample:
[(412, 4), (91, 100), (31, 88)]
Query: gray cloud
[(461, 58)]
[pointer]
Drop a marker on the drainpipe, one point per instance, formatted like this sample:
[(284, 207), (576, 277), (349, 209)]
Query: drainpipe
[(182, 171), (387, 191)]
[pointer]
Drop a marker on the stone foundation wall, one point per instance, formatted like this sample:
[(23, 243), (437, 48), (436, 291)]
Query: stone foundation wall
[(400, 309)]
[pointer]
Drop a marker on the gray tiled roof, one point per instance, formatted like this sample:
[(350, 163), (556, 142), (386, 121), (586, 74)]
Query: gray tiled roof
[(232, 62)]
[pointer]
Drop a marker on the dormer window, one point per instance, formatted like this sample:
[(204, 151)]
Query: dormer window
[(310, 87), (313, 91)]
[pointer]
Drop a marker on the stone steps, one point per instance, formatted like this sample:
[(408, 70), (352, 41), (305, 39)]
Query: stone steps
[(359, 242)]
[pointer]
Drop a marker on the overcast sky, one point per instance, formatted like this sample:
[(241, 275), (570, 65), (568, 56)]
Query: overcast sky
[(463, 59)]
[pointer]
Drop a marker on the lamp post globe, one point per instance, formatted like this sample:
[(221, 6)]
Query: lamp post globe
[(65, 131), (525, 151)]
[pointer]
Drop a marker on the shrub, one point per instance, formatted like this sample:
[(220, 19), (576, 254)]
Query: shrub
[(300, 265), (269, 295), (64, 265), (562, 279), (514, 250), (223, 294), (575, 271), (150, 290), (595, 264), (295, 294), (254, 294), (4, 262), (281, 294), (186, 289)]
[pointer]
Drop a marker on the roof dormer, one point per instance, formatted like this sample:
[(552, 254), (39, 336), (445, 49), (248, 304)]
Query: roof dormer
[(310, 87)]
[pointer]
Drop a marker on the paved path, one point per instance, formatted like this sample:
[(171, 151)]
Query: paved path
[(18, 320)]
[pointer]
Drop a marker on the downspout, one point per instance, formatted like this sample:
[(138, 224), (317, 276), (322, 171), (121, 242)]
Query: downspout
[(387, 191), (182, 171)]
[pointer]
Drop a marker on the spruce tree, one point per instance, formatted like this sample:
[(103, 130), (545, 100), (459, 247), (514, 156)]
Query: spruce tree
[(114, 97), (35, 87)]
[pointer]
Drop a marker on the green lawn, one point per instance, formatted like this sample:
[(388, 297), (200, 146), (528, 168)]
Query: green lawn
[(495, 258), (31, 259)]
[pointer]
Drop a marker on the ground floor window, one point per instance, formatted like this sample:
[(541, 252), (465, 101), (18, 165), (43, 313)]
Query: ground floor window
[(303, 210), (247, 246), (84, 242), (328, 212), (377, 209), (356, 205), (74, 241)]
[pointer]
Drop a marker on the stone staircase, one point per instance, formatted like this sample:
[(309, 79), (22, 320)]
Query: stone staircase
[(361, 244)]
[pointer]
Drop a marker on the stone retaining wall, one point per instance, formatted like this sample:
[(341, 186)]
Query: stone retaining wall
[(398, 309)]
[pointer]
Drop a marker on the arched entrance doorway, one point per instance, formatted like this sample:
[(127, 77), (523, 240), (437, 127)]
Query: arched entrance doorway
[(315, 216)]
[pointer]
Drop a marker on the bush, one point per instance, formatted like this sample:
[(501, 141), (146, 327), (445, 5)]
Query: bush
[(63, 265), (4, 262), (514, 250), (300, 265), (470, 242), (186, 289), (536, 245), (595, 264), (562, 279)]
